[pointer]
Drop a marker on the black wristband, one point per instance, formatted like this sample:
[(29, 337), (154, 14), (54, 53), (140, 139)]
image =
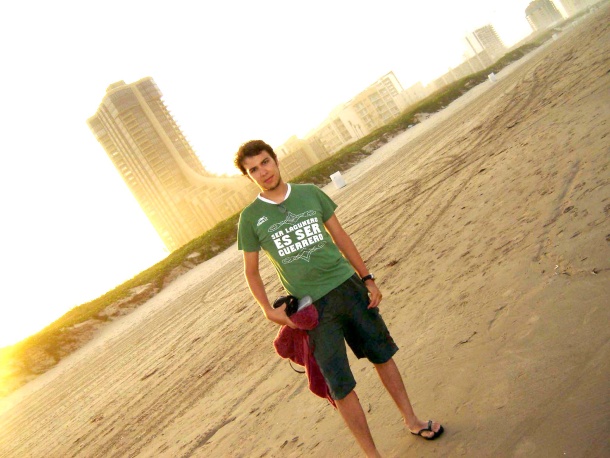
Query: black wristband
[(368, 277)]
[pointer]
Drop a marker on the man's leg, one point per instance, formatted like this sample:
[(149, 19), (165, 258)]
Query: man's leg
[(392, 380), (354, 417)]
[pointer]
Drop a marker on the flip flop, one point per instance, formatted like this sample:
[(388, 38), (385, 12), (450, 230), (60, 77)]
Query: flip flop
[(434, 435)]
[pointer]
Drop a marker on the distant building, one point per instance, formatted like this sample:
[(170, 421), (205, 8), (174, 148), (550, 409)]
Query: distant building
[(483, 48), (370, 109), (485, 39), (542, 14), (574, 6), (178, 195), (474, 64), (296, 156), (341, 127), (380, 102), (414, 94)]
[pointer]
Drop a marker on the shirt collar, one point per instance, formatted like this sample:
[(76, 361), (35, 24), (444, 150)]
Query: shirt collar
[(276, 203)]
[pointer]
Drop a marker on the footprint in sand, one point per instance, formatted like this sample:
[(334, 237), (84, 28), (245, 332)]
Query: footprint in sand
[(530, 327)]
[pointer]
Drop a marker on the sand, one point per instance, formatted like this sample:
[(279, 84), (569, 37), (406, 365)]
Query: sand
[(488, 229)]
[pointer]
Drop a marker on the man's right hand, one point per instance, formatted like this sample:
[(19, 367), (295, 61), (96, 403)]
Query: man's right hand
[(279, 316)]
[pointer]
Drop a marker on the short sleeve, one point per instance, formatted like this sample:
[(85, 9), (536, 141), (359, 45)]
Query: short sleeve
[(327, 204), (246, 236)]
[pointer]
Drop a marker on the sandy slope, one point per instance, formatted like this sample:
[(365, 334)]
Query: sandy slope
[(488, 227)]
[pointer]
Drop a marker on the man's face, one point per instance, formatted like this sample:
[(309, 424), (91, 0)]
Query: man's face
[(263, 170)]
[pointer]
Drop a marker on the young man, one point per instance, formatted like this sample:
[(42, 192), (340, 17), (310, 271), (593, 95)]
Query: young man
[(297, 228)]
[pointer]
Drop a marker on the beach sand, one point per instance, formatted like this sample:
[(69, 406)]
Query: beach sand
[(488, 229)]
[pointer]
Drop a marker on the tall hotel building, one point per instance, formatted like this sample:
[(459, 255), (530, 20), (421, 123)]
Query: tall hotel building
[(486, 39), (542, 14), (178, 195)]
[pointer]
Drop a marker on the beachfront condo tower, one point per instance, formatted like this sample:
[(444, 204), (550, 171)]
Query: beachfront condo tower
[(485, 39), (178, 195), (542, 14)]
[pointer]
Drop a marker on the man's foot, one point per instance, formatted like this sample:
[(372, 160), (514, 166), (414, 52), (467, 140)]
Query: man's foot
[(428, 431)]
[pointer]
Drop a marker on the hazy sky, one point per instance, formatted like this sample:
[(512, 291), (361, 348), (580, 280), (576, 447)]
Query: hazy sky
[(230, 71)]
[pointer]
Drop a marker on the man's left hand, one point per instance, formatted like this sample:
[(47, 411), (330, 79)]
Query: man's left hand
[(374, 294)]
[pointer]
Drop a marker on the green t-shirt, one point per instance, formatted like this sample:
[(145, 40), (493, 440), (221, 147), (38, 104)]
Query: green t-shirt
[(294, 238)]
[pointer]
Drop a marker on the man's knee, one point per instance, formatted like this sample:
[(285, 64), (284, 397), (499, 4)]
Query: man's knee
[(348, 397), (383, 364)]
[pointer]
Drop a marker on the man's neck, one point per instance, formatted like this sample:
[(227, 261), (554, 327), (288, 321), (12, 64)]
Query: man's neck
[(277, 194)]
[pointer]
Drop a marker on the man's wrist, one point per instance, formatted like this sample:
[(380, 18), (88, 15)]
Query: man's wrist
[(367, 278)]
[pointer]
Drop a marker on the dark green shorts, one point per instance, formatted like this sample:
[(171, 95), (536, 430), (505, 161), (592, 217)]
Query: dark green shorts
[(344, 317)]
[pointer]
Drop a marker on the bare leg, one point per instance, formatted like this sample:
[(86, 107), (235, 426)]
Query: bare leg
[(392, 380), (353, 415)]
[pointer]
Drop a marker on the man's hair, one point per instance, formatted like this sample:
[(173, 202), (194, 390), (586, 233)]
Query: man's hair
[(251, 149)]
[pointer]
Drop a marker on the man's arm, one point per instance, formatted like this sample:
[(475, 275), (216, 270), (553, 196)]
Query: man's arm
[(346, 246), (257, 288)]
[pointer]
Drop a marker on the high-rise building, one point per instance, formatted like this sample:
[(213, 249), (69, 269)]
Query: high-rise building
[(178, 195), (485, 39), (542, 14), (380, 102), (574, 6)]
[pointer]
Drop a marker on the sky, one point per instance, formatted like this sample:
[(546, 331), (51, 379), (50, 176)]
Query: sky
[(229, 71)]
